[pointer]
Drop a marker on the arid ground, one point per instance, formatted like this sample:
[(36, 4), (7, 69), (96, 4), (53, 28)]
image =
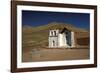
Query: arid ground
[(35, 44), (55, 54)]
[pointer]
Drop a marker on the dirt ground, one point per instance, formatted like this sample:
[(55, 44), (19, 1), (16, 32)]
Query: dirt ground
[(35, 55)]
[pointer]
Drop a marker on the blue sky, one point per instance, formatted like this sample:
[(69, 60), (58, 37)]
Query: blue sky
[(39, 18)]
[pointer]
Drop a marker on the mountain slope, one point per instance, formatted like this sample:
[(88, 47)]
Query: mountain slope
[(35, 37)]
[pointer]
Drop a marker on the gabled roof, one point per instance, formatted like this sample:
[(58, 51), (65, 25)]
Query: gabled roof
[(64, 29)]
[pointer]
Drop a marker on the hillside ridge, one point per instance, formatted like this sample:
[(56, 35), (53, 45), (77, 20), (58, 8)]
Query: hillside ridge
[(54, 25)]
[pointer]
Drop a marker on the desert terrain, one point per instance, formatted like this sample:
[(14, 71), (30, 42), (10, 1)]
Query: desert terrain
[(35, 44), (55, 54)]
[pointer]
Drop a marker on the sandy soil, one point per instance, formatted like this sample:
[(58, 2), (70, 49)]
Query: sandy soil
[(55, 54)]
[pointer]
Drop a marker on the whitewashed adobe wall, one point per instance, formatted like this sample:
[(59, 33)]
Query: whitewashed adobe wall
[(72, 39), (58, 40), (62, 40)]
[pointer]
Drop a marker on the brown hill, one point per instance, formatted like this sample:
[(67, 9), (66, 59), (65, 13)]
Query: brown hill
[(33, 37)]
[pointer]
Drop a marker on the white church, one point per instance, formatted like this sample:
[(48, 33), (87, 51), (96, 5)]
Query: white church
[(61, 38)]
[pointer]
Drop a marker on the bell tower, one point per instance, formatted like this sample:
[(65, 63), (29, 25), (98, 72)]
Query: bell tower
[(53, 38)]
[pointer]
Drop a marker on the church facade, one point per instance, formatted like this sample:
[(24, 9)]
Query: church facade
[(61, 38)]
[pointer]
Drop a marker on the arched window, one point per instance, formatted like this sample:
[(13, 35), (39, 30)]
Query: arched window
[(55, 33), (53, 43), (51, 33)]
